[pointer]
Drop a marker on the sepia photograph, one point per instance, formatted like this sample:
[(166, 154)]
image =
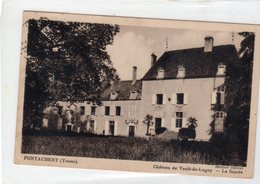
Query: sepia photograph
[(112, 90)]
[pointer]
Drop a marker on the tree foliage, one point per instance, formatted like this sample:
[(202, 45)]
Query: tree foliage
[(239, 90), (66, 61), (192, 123)]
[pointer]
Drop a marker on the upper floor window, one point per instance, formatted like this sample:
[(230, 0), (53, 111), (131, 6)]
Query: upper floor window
[(160, 73), (107, 110), (60, 109), (133, 95), (82, 110), (118, 110), (93, 110), (180, 98), (159, 99), (218, 95)]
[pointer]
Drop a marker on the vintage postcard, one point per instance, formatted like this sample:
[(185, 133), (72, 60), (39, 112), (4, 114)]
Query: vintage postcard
[(133, 94)]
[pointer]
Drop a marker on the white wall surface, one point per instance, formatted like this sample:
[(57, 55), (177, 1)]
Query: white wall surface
[(220, 11)]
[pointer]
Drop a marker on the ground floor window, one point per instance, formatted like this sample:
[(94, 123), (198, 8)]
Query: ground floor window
[(111, 128), (131, 132), (91, 126), (179, 119), (158, 122)]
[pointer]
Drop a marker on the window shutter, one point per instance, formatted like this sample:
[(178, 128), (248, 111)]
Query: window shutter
[(173, 123), (184, 122), (163, 122), (213, 97), (115, 131), (222, 98), (95, 126), (154, 99), (106, 128), (103, 110), (174, 100), (87, 110), (185, 98), (164, 99), (184, 114)]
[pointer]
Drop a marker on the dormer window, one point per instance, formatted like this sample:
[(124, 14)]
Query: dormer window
[(160, 73), (113, 95), (133, 95), (181, 72), (221, 70)]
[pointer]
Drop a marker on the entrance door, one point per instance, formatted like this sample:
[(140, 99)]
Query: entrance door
[(158, 122), (69, 128), (112, 128), (131, 132)]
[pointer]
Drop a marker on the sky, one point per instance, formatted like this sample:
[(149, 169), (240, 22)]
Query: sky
[(133, 46)]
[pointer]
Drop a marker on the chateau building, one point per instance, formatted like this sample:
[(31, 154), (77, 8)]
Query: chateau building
[(180, 84)]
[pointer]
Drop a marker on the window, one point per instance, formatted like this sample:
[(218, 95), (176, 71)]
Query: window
[(219, 114), (118, 110), (133, 95), (179, 119), (107, 110), (93, 110), (82, 110), (158, 122), (113, 95), (221, 69), (60, 110), (111, 128), (221, 88), (160, 73), (219, 121), (221, 94), (181, 72), (92, 126), (159, 99), (180, 98)]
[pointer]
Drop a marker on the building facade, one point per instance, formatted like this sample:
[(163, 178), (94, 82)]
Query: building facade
[(180, 84)]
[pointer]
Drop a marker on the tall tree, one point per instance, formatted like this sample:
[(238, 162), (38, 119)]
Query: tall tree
[(65, 61), (239, 83)]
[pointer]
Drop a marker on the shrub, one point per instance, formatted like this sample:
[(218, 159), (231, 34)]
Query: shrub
[(186, 133), (160, 130)]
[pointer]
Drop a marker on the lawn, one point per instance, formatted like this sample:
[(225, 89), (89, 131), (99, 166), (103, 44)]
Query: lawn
[(128, 148)]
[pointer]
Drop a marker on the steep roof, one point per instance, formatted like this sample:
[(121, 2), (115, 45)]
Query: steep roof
[(124, 89), (196, 63)]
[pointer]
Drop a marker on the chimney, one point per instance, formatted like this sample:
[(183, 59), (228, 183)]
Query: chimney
[(134, 75), (209, 40), (153, 59), (113, 71)]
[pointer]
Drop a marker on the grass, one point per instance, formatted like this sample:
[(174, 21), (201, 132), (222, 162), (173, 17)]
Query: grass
[(127, 148)]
